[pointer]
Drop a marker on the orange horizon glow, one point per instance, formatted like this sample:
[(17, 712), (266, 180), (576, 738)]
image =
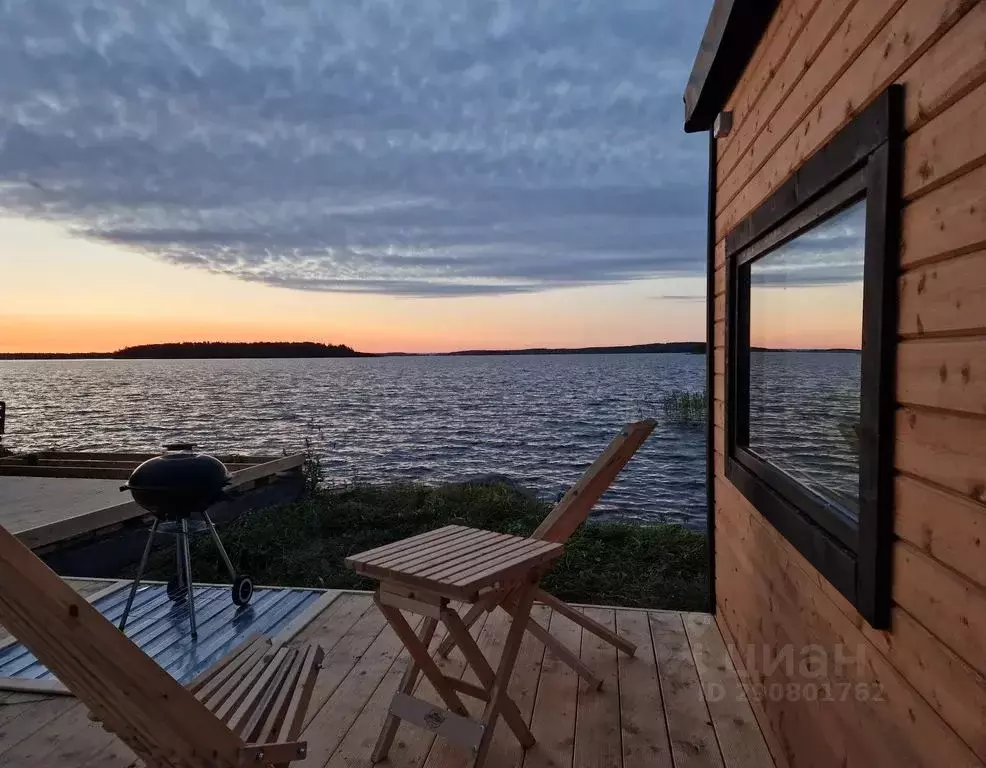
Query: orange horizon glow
[(807, 317), (74, 335)]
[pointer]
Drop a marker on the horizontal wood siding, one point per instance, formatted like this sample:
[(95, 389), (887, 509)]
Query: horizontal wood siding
[(918, 690)]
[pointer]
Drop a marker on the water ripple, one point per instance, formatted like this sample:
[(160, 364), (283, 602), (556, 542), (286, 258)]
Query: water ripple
[(539, 419)]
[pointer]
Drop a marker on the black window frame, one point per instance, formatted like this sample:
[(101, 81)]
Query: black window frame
[(861, 163)]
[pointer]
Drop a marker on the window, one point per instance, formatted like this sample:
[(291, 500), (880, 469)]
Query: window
[(811, 337)]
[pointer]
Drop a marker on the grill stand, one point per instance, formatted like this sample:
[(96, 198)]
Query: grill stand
[(242, 586), (189, 584)]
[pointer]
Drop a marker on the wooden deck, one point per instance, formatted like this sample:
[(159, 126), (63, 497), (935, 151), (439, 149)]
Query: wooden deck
[(47, 500), (678, 703), (28, 503)]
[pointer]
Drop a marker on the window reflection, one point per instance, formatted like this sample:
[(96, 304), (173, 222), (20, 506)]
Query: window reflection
[(806, 315)]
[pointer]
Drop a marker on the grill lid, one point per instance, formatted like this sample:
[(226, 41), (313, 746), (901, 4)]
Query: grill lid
[(180, 482)]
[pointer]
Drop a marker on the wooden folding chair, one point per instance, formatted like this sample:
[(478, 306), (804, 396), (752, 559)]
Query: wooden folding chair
[(563, 520), (246, 710)]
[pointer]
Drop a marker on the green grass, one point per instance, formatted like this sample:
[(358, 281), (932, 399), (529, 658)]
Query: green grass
[(683, 407), (304, 543)]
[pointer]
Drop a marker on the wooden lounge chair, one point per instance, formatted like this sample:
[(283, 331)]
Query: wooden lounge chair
[(246, 710), (566, 516)]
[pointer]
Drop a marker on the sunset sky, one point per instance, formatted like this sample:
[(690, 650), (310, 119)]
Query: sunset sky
[(420, 176), (808, 293)]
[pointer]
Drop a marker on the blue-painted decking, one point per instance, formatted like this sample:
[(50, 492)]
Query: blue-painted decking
[(160, 627)]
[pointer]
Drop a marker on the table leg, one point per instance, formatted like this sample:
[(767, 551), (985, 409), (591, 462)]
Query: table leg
[(485, 674), (558, 648), (486, 603), (472, 616), (421, 656), (524, 598), (408, 681), (599, 630)]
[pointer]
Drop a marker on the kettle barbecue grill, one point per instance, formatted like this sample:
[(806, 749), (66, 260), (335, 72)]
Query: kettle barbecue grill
[(176, 487)]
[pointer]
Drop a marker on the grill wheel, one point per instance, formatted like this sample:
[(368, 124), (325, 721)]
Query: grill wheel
[(242, 589)]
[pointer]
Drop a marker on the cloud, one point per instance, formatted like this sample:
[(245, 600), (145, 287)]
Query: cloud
[(831, 253), (433, 148)]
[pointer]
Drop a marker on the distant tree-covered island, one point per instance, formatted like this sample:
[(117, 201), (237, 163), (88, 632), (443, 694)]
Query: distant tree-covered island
[(667, 347), (187, 350)]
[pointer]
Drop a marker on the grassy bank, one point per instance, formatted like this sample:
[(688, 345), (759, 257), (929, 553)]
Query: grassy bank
[(304, 543)]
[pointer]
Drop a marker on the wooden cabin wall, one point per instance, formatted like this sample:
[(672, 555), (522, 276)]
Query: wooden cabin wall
[(919, 694)]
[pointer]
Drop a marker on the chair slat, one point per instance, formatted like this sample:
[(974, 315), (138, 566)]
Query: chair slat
[(271, 725), (481, 560), (222, 694), (252, 698), (294, 715), (237, 695), (503, 570), (249, 728), (490, 543)]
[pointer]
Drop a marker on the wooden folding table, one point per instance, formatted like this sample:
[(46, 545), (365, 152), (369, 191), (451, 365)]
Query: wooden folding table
[(421, 575)]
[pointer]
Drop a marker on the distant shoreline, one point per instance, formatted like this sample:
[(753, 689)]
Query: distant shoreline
[(314, 350)]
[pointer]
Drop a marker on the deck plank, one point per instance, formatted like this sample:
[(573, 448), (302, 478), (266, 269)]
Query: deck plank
[(328, 726), (739, 735), (29, 721), (335, 622), (597, 738), (344, 656), (115, 755), (356, 746), (67, 739), (693, 739), (642, 718), (553, 722)]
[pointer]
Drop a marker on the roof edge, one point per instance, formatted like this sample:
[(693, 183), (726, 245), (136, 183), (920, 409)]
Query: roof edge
[(731, 36)]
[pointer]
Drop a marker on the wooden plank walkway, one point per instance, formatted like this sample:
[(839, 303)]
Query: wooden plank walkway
[(32, 502), (676, 704), (82, 495)]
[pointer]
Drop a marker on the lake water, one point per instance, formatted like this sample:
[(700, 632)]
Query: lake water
[(804, 416), (541, 420)]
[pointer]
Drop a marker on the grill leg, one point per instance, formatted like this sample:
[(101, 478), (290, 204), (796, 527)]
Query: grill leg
[(188, 576), (219, 545), (140, 572), (179, 561)]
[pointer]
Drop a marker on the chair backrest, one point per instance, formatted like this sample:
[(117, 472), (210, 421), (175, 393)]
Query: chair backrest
[(575, 506), (124, 688)]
